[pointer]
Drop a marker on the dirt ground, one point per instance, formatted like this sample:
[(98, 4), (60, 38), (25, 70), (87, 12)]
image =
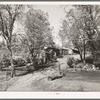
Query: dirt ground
[(79, 81)]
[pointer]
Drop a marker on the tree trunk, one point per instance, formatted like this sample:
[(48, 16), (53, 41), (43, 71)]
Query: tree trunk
[(84, 51), (31, 51), (81, 57), (12, 69), (32, 58), (80, 53)]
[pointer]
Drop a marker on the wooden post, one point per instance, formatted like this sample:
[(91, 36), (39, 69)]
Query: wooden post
[(74, 66), (6, 80), (59, 69)]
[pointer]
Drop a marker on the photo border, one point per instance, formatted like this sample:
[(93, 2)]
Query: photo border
[(52, 95)]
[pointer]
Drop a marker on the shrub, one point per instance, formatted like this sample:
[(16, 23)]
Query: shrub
[(77, 61), (28, 59), (5, 62), (70, 62), (19, 61), (97, 64), (89, 59)]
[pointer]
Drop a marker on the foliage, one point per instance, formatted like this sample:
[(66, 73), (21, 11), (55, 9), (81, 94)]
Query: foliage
[(38, 31), (70, 62), (81, 24), (19, 61), (89, 59), (5, 62), (8, 16)]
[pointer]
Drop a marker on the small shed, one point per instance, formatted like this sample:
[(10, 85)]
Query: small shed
[(56, 50)]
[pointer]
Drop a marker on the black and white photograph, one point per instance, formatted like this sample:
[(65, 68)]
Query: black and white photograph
[(49, 47)]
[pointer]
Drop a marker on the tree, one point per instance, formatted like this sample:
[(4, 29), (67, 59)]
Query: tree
[(82, 25), (8, 16), (63, 32), (38, 31), (72, 29), (92, 16)]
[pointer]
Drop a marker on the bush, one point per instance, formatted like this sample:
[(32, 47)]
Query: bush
[(89, 59), (28, 59), (77, 61), (5, 62), (70, 62), (19, 61)]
